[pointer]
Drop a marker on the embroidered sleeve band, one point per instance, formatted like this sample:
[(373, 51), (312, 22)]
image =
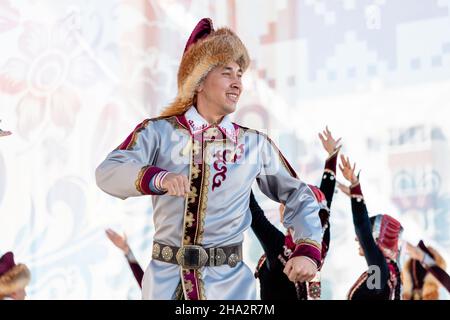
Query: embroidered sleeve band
[(144, 180), (309, 250)]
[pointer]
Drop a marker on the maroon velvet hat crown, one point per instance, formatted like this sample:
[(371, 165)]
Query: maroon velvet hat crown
[(6, 262), (203, 28)]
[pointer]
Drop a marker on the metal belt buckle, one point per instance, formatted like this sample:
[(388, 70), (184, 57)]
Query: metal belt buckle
[(218, 258), (192, 257)]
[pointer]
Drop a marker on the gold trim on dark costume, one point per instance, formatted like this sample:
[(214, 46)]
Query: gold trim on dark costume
[(194, 216), (358, 283), (309, 242)]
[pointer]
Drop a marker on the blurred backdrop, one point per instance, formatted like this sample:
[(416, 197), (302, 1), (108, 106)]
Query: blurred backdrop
[(77, 76)]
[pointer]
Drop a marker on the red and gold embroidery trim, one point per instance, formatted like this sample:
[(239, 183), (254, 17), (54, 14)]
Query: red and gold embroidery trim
[(357, 284), (130, 141), (194, 216), (309, 242), (138, 182)]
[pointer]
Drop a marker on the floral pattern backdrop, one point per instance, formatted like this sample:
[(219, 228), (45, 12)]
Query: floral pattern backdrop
[(76, 76)]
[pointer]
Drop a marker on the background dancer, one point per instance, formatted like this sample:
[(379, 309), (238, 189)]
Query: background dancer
[(121, 243), (423, 273), (274, 284), (14, 278), (378, 238)]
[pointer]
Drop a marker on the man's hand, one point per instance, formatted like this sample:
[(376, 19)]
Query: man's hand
[(176, 185), (119, 241), (300, 269), (328, 142)]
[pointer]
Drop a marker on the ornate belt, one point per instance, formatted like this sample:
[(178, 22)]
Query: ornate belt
[(195, 257)]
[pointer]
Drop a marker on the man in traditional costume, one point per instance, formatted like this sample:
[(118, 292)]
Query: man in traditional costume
[(199, 168)]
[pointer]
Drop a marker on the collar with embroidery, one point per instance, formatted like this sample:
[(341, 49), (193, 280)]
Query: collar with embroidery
[(198, 124)]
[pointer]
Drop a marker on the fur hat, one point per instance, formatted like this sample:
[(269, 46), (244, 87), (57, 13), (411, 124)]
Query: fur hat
[(206, 49), (418, 283), (13, 276)]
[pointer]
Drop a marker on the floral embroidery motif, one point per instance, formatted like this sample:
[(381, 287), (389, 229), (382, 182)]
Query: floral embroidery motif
[(190, 219), (189, 286), (195, 172), (196, 148), (195, 127), (194, 214), (203, 204), (193, 195), (220, 164), (187, 240), (212, 133)]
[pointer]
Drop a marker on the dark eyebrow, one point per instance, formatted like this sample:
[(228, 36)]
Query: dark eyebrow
[(231, 69)]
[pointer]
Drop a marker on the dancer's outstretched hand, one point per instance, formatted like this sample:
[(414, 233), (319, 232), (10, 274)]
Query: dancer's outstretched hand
[(347, 170), (329, 143), (119, 241)]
